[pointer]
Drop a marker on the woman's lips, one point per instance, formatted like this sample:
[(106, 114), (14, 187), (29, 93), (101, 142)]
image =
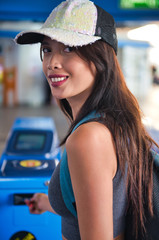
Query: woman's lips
[(57, 80)]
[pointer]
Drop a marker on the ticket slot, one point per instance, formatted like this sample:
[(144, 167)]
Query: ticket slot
[(19, 198)]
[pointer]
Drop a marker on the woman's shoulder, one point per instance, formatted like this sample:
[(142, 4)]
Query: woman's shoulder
[(92, 131), (92, 141)]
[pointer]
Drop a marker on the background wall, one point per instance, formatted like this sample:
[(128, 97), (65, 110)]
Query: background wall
[(38, 10)]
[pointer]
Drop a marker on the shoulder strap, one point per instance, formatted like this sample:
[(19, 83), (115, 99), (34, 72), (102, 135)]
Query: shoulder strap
[(65, 179), (90, 116), (156, 158)]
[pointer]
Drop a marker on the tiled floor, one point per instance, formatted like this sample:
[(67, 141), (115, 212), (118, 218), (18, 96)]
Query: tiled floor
[(150, 107)]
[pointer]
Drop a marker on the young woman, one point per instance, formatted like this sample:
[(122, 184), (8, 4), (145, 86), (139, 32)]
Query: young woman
[(106, 165)]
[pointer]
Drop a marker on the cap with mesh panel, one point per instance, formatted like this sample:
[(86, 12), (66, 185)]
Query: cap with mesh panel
[(74, 23)]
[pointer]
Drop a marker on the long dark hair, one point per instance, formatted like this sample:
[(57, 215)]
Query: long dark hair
[(122, 116)]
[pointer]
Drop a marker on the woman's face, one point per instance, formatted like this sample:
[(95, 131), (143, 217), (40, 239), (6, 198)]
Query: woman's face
[(68, 75)]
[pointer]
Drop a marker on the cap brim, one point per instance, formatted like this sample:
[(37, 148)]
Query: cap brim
[(69, 38)]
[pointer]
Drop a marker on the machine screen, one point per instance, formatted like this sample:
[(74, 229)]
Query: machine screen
[(30, 141)]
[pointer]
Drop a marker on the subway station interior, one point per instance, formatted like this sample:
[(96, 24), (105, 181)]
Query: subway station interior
[(24, 91)]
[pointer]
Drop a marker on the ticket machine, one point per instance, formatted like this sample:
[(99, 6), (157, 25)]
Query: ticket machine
[(26, 165)]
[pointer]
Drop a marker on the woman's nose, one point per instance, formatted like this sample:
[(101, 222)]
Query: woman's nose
[(55, 62)]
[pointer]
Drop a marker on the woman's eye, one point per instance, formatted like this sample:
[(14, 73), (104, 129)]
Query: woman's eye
[(68, 49), (45, 50)]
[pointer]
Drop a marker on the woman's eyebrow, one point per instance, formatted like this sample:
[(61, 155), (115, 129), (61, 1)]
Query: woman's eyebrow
[(44, 43)]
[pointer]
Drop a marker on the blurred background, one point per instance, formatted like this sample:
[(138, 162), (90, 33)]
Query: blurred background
[(23, 87)]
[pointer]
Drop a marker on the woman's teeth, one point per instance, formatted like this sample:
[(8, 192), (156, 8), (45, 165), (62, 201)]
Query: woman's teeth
[(58, 79)]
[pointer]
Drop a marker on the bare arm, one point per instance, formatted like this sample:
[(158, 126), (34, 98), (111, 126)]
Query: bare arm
[(92, 164)]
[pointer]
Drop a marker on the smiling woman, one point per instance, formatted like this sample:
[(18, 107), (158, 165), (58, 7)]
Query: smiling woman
[(106, 163), (63, 67)]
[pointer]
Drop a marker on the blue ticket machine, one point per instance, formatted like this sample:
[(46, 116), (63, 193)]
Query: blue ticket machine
[(26, 165)]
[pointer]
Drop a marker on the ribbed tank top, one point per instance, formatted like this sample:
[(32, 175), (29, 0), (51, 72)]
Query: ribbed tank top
[(62, 199)]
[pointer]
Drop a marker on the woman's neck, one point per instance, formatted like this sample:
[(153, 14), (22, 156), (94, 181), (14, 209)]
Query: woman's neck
[(75, 106)]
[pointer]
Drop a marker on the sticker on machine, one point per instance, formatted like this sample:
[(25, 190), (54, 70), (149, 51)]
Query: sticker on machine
[(30, 163), (23, 235)]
